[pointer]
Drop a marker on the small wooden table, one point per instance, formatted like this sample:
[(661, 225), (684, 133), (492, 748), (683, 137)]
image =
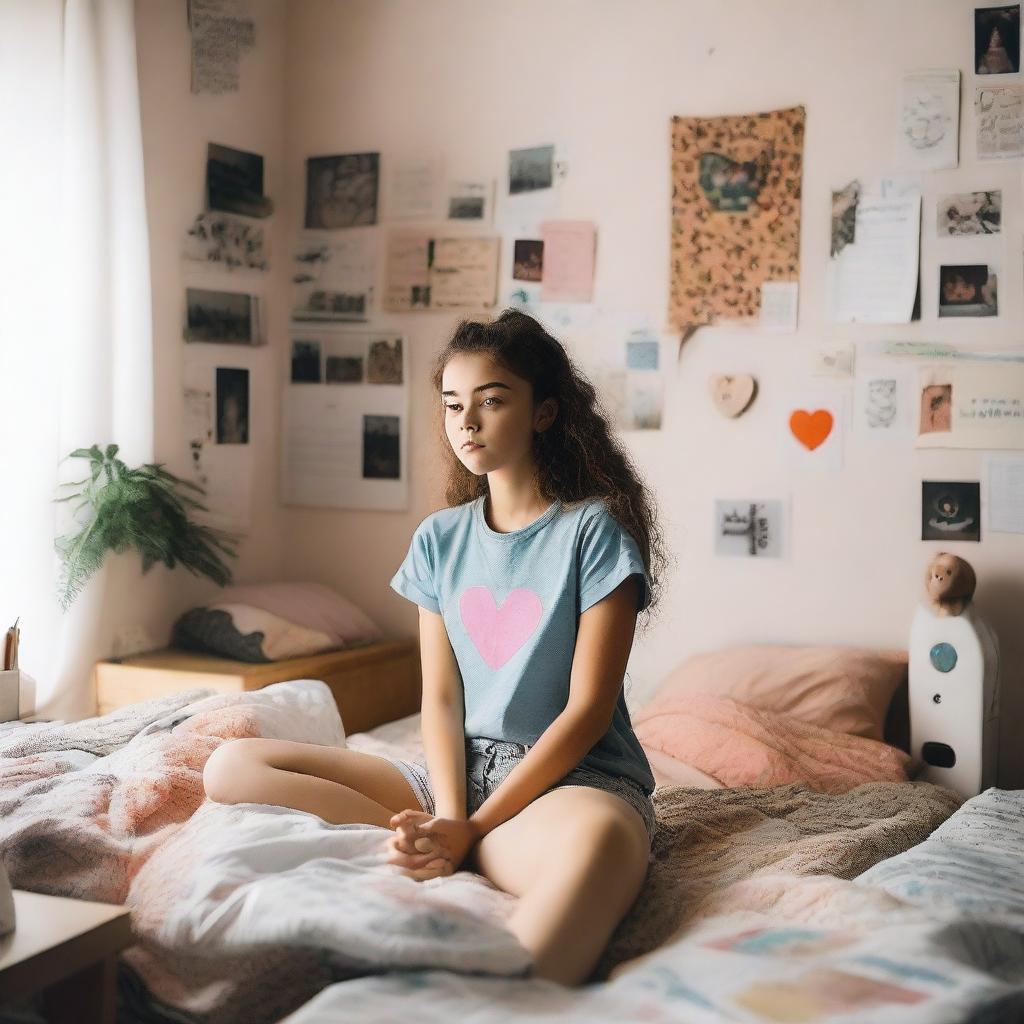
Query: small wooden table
[(67, 950)]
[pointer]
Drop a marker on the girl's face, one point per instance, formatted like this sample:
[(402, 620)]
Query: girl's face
[(492, 407)]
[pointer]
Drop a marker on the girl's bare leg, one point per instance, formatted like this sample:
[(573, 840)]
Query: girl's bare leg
[(341, 786)]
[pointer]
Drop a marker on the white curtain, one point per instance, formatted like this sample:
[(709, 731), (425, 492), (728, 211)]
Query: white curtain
[(75, 315)]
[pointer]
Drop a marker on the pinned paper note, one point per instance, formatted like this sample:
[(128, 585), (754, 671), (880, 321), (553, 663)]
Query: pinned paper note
[(1005, 504), (874, 276), (834, 360), (568, 261), (999, 117), (967, 406), (414, 189), (749, 527), (779, 306)]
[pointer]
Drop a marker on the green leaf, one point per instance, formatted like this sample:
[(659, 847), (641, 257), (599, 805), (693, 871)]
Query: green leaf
[(145, 509)]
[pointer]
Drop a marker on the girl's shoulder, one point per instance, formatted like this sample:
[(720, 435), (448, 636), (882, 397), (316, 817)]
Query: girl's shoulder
[(445, 519), (587, 510)]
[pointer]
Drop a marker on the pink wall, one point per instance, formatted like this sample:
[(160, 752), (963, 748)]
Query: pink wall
[(601, 78)]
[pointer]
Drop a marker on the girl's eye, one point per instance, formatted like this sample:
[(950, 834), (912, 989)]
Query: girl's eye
[(489, 398)]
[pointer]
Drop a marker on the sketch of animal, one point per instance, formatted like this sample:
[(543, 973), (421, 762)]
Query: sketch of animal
[(881, 402)]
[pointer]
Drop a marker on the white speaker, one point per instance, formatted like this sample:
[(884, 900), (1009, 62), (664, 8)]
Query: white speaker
[(954, 699)]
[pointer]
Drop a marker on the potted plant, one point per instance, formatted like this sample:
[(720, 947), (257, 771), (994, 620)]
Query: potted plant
[(145, 508)]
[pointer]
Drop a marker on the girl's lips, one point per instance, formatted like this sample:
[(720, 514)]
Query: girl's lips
[(471, 446)]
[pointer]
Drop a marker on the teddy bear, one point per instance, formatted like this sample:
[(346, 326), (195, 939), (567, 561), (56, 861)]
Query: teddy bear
[(949, 583)]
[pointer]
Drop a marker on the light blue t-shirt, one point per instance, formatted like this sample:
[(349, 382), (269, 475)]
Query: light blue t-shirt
[(511, 604)]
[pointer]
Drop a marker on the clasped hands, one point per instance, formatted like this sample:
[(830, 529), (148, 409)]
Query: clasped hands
[(425, 846)]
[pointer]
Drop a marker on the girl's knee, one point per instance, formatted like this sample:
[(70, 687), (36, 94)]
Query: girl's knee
[(227, 768)]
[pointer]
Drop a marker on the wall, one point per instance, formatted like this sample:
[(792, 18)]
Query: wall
[(602, 78), (177, 125)]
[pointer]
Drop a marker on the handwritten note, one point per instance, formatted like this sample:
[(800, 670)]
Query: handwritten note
[(999, 113)]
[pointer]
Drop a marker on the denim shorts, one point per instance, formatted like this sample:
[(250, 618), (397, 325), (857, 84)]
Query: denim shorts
[(488, 763)]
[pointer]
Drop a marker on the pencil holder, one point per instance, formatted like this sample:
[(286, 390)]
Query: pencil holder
[(17, 697)]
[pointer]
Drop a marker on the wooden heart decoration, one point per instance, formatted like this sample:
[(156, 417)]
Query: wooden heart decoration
[(732, 395), (811, 428)]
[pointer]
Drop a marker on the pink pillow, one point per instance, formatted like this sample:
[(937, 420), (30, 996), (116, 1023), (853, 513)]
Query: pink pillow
[(310, 605), (739, 745), (845, 689)]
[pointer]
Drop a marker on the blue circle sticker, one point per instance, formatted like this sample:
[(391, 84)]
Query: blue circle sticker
[(943, 657)]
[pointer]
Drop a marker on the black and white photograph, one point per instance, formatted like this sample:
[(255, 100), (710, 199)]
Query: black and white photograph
[(470, 200), (950, 510), (305, 362), (228, 318), (748, 528), (234, 182), (969, 213), (997, 40), (232, 405), (380, 448), (528, 260), (530, 169), (333, 279), (967, 290), (226, 241), (342, 191)]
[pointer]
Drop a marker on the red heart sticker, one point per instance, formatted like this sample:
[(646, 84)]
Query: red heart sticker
[(811, 428)]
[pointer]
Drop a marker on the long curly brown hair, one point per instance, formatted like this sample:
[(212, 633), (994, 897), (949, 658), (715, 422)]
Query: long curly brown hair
[(577, 457)]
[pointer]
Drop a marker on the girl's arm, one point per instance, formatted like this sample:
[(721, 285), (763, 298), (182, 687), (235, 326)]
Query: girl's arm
[(603, 642), (442, 718)]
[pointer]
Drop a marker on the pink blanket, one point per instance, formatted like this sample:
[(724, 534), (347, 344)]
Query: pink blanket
[(740, 745)]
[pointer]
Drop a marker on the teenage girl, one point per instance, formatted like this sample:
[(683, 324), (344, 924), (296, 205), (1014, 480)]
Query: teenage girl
[(528, 585)]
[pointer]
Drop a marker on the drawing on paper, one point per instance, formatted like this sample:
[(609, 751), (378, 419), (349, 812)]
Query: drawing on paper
[(881, 407), (936, 408)]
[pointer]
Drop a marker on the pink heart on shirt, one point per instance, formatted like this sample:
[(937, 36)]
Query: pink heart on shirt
[(497, 633)]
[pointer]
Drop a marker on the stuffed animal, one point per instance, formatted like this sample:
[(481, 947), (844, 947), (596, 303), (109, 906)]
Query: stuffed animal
[(949, 582)]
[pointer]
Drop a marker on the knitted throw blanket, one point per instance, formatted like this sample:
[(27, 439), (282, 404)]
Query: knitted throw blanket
[(707, 840)]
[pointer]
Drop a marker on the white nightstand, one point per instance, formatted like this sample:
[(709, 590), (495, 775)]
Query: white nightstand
[(66, 950)]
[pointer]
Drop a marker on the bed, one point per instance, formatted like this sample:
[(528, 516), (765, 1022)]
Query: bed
[(780, 903)]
